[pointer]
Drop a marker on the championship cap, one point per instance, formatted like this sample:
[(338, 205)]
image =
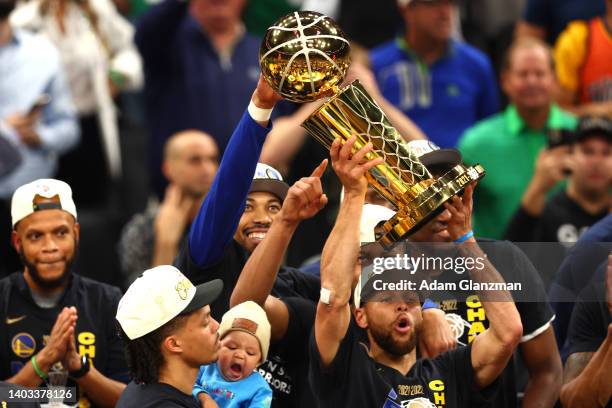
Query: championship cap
[(23, 201), (250, 318), (158, 296), (268, 179), (436, 160), (593, 126), (371, 216)]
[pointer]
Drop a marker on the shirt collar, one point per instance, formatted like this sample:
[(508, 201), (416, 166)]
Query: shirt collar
[(67, 298), (516, 125), (403, 45)]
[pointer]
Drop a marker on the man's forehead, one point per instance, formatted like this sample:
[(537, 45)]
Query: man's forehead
[(45, 219), (262, 196)]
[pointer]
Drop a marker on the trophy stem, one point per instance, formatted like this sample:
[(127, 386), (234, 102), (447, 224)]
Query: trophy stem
[(401, 178)]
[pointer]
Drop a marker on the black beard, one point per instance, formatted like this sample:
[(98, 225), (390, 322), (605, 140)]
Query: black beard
[(59, 282), (385, 341)]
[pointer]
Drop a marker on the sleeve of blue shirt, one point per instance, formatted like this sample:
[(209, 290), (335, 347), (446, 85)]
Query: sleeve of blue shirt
[(216, 222), (198, 387), (58, 129), (262, 397), (156, 30)]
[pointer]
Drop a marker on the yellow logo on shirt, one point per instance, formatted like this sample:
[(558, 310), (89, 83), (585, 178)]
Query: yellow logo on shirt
[(23, 345), (437, 386)]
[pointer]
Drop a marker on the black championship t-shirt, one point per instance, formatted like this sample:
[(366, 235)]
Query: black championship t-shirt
[(467, 319), (289, 282), (286, 369), (590, 319), (25, 327), (355, 380), (155, 395)]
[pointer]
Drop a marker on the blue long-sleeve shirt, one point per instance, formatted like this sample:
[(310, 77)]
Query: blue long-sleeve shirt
[(214, 226), (189, 85), (29, 67)]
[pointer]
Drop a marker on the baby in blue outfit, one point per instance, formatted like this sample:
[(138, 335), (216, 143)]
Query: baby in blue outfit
[(232, 382)]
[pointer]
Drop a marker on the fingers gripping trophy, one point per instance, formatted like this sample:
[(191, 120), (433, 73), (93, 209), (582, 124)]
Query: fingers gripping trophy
[(304, 56)]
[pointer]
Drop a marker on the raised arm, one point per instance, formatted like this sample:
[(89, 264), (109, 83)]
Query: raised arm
[(214, 226), (341, 251), (156, 30), (492, 349), (304, 199)]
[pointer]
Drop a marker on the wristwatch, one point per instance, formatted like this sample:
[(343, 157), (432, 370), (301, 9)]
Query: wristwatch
[(81, 371)]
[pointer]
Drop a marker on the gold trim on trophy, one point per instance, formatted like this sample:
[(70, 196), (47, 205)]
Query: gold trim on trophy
[(304, 56)]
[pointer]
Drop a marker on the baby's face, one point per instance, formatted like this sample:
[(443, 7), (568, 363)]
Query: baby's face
[(239, 355)]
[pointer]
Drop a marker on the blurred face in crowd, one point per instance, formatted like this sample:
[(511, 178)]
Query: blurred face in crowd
[(46, 241), (529, 80), (239, 355), (592, 170), (433, 20), (219, 14), (191, 162), (260, 210), (392, 321), (196, 339)]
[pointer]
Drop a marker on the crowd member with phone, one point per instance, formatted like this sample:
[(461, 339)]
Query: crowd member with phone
[(586, 163)]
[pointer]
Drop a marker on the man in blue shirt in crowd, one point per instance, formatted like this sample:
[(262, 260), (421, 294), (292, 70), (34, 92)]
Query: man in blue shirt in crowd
[(443, 85), (200, 68)]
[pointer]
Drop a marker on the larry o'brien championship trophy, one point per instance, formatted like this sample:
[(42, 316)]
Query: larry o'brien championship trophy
[(304, 57)]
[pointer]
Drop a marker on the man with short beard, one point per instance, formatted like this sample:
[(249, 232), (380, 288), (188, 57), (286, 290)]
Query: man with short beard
[(387, 373), (55, 327)]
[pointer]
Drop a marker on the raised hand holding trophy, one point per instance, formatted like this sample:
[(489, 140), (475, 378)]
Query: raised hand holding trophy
[(304, 57)]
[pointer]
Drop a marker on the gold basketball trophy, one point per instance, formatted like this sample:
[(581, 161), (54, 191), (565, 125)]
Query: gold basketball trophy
[(304, 56)]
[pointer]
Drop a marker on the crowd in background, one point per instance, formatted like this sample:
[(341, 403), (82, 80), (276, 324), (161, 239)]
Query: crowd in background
[(133, 103)]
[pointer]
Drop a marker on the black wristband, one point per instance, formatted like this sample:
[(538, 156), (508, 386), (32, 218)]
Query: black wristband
[(81, 371)]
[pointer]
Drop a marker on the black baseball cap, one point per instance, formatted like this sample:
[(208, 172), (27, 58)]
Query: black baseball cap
[(593, 126)]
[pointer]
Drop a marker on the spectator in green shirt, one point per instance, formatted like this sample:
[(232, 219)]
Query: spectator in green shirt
[(508, 143)]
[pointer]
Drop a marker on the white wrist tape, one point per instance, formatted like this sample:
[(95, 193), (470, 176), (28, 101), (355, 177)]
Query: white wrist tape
[(258, 114), (325, 296)]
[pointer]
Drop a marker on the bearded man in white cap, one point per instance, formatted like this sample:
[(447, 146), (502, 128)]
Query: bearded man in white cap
[(54, 322)]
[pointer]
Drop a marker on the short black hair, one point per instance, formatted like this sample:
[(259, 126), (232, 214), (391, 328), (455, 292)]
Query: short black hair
[(143, 355)]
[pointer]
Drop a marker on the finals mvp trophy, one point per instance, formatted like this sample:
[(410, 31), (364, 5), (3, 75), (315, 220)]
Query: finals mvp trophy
[(304, 57)]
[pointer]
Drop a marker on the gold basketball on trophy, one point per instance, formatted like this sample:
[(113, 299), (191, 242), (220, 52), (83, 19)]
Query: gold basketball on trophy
[(304, 55)]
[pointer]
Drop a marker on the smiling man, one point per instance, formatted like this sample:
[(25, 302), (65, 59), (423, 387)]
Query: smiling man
[(240, 207), (54, 322)]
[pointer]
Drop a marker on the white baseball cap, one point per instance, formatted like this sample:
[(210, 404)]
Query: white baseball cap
[(158, 296), (23, 202), (371, 216), (250, 318)]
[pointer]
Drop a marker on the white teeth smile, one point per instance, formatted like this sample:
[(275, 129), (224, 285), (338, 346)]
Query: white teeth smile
[(257, 235)]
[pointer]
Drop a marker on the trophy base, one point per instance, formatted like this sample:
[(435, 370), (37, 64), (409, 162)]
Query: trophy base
[(427, 204)]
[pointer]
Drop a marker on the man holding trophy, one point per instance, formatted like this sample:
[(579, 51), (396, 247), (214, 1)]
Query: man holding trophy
[(304, 57)]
